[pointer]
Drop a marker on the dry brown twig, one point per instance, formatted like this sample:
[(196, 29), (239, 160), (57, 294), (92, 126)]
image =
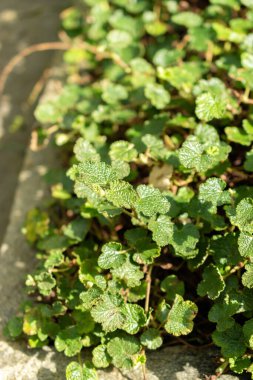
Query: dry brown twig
[(99, 52), (23, 54), (148, 280)]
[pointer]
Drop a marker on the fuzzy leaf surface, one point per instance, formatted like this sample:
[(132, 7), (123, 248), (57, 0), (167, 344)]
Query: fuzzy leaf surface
[(123, 351), (212, 283), (180, 317), (109, 312), (151, 339), (112, 256)]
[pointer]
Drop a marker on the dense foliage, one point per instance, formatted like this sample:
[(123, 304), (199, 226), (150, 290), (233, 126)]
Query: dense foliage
[(149, 236)]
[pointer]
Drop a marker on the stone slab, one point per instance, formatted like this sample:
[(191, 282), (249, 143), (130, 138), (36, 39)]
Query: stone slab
[(22, 23)]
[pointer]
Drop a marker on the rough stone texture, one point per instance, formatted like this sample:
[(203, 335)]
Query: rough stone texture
[(22, 23), (17, 362)]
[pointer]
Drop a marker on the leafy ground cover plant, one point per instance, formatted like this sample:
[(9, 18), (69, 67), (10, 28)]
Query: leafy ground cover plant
[(148, 238)]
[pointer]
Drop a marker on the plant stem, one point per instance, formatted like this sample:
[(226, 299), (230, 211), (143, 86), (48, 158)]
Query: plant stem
[(148, 280), (246, 94), (144, 371), (143, 366), (128, 213), (220, 370), (235, 269), (80, 359), (60, 270)]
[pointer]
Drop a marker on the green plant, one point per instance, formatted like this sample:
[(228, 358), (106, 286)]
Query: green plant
[(150, 233)]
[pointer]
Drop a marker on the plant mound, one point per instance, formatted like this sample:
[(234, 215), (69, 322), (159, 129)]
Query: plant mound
[(148, 238)]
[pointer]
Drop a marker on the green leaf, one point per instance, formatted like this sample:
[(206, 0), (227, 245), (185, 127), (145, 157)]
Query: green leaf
[(248, 164), (121, 194), (129, 272), (234, 4), (245, 244), (224, 250), (162, 229), (200, 37), (100, 357), (109, 312), (114, 93), (113, 256), (212, 192), (119, 20), (123, 151), (80, 316), (48, 113), (142, 72), (96, 173), (222, 311), (151, 201), (243, 215), (121, 167), (239, 365), (247, 277), (191, 152), (182, 77), (151, 339), (210, 107), (231, 341), (75, 371), (88, 270), (248, 127), (90, 297), (202, 155), (187, 19), (138, 292), (165, 57), (212, 283), (238, 135), (214, 85), (171, 285), (156, 28), (119, 39), (146, 250), (247, 3), (158, 96), (15, 326), (248, 332), (184, 240), (31, 322), (54, 243), (247, 60), (55, 259), (180, 317), (162, 311), (36, 225), (134, 318), (45, 282), (156, 149), (77, 229), (69, 341), (123, 351), (223, 33), (84, 151)]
